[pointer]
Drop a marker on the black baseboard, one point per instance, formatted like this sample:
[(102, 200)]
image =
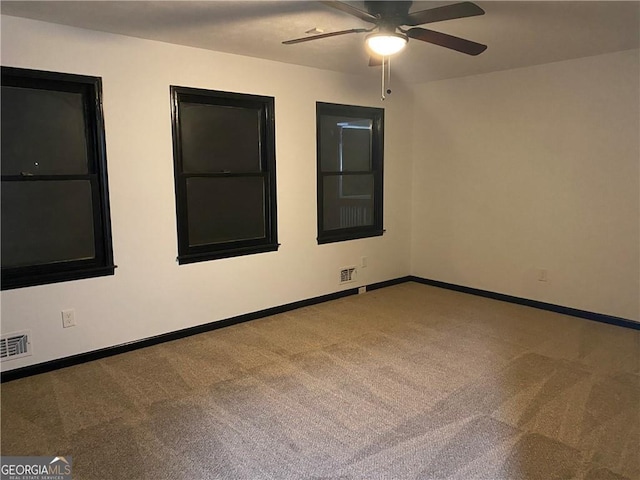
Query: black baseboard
[(389, 283), (165, 337), (207, 327), (574, 312)]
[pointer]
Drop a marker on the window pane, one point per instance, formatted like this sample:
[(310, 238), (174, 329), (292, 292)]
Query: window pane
[(356, 186), (355, 150), (46, 221), (348, 201), (219, 138), (345, 144), (225, 209), (43, 132)]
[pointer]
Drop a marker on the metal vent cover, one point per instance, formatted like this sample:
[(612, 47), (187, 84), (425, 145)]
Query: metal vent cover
[(15, 345), (347, 274)]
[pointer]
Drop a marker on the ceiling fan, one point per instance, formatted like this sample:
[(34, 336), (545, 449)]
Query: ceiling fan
[(389, 35)]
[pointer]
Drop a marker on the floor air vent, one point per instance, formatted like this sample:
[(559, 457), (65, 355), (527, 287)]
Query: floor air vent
[(347, 274), (15, 345)]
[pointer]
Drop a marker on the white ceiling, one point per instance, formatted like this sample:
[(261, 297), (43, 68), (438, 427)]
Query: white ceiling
[(517, 33)]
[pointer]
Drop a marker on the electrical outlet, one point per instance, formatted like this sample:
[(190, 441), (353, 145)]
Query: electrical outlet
[(68, 318), (363, 262), (543, 275), (362, 290)]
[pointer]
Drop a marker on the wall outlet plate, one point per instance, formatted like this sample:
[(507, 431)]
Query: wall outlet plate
[(68, 318)]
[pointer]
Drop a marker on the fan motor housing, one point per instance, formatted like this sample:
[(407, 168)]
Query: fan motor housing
[(388, 9)]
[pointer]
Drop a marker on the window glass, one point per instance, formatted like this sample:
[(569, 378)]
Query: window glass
[(43, 132), (355, 149), (345, 143), (219, 138), (225, 209), (350, 152), (46, 222), (347, 211)]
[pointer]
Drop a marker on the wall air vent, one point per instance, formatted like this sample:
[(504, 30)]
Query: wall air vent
[(347, 274), (15, 345)]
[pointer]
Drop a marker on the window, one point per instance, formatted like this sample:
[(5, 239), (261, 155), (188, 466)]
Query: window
[(350, 150), (54, 199), (224, 156)]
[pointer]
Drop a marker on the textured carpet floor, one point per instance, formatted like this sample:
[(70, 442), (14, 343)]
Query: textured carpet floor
[(408, 381)]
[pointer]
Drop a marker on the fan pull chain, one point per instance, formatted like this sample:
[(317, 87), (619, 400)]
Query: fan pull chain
[(382, 92), (386, 91), (388, 75)]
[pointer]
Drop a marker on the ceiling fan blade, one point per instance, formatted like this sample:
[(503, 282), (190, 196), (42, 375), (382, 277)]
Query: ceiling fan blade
[(448, 12), (325, 35), (356, 12), (447, 41)]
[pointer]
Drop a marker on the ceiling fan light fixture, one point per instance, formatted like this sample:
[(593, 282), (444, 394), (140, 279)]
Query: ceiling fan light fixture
[(386, 43)]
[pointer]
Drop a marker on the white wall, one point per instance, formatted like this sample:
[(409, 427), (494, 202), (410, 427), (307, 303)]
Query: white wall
[(534, 168), (150, 293), (501, 174)]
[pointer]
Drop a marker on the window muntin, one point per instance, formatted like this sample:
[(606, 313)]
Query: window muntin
[(54, 197), (350, 149), (224, 158)]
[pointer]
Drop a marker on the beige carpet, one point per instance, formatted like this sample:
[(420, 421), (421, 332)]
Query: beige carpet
[(409, 381)]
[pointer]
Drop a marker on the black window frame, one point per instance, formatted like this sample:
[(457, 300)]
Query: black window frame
[(102, 263), (376, 115), (265, 106)]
